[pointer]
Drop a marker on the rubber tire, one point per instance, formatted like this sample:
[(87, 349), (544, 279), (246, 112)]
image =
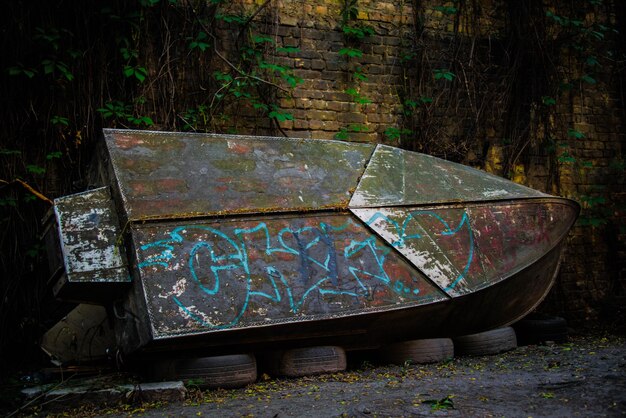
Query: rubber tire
[(230, 371), (537, 329), (307, 361), (431, 350), (486, 343)]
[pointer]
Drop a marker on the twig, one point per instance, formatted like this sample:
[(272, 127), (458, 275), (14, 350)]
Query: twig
[(243, 73), (252, 16), (29, 188)]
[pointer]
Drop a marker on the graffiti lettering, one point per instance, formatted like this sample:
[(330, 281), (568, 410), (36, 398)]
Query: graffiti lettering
[(306, 266)]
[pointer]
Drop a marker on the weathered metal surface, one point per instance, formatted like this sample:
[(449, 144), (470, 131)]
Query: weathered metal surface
[(89, 234), (84, 335), (395, 177), (464, 249), (165, 175), (244, 241), (200, 277)]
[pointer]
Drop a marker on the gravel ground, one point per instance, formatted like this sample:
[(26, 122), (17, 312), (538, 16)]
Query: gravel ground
[(583, 378)]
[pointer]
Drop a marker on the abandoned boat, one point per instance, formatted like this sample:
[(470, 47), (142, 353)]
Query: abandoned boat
[(223, 244)]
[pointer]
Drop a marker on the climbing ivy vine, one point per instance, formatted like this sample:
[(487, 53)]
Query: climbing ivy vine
[(354, 32)]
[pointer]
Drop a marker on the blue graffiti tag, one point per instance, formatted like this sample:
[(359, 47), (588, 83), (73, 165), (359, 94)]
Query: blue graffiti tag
[(314, 250), (447, 231)]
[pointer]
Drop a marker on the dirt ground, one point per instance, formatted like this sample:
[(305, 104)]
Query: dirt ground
[(583, 378)]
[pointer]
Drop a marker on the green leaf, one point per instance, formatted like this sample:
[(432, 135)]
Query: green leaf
[(114, 109), (598, 35), (128, 54), (140, 120), (592, 61), (63, 69), (410, 105), (440, 404), (566, 158), (231, 18), (573, 133), (48, 66), (129, 71), (274, 67), (54, 155), (351, 52), (59, 120), (407, 56), (342, 134), (258, 39), (444, 74), (562, 21), (280, 116), (394, 133), (357, 97), (447, 10), (225, 77), (349, 11), (21, 70), (8, 202), (359, 76), (35, 169), (292, 80), (140, 74), (357, 32), (358, 128), (588, 79), (199, 42), (147, 121), (261, 106), (548, 101)]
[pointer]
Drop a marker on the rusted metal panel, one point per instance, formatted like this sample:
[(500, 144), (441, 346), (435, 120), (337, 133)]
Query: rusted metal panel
[(510, 237), (178, 175), (471, 246), (89, 234), (201, 277), (396, 177), (439, 242)]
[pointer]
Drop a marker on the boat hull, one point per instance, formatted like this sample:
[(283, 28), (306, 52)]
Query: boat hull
[(210, 285), (220, 243), (489, 308)]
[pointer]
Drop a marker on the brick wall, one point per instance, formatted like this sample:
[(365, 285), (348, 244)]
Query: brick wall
[(475, 113)]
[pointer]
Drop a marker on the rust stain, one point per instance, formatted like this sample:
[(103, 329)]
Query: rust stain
[(127, 142), (239, 148)]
